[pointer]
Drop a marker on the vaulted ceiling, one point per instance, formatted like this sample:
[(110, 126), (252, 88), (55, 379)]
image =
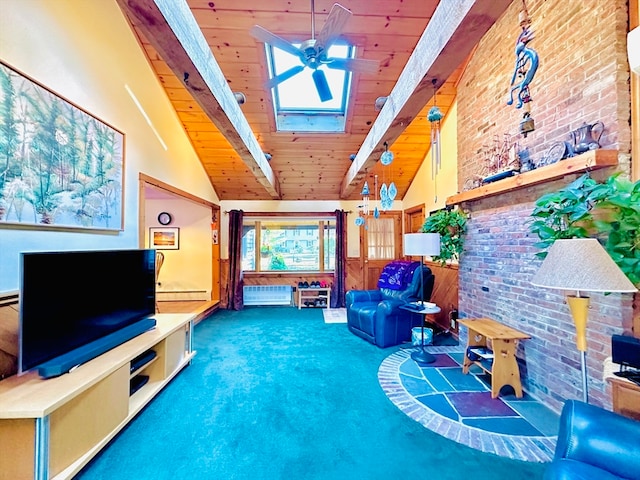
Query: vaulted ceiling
[(202, 52)]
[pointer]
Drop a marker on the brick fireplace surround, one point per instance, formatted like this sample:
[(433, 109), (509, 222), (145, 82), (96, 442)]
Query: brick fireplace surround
[(583, 77)]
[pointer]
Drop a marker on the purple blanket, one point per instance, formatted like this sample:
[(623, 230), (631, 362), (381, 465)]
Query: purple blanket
[(397, 274)]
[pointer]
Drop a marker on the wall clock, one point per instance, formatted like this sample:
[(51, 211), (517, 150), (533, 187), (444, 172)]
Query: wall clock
[(164, 218)]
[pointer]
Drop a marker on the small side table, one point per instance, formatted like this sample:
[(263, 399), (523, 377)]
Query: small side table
[(424, 308), (626, 397), (625, 394)]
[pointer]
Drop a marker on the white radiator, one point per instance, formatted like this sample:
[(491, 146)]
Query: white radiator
[(267, 294)]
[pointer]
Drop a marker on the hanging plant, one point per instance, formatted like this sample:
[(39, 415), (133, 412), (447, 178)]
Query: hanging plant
[(451, 225)]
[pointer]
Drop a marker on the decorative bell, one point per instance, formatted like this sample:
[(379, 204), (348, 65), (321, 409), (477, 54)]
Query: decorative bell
[(527, 124)]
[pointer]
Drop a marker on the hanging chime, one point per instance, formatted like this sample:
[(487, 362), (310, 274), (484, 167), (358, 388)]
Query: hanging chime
[(387, 193), (434, 116)]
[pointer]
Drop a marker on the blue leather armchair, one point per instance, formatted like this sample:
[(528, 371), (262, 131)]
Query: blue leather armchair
[(594, 443), (376, 316)]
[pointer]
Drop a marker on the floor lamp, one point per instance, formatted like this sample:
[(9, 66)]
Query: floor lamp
[(423, 244), (581, 265)]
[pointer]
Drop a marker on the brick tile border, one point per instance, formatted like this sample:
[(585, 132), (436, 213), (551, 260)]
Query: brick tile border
[(527, 448)]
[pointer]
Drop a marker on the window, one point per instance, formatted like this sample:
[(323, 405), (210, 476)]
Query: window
[(297, 105), (288, 244), (380, 238)]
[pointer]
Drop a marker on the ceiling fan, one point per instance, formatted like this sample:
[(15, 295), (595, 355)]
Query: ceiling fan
[(313, 52)]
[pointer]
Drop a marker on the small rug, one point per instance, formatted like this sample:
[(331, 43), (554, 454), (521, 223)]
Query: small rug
[(457, 406), (335, 315)]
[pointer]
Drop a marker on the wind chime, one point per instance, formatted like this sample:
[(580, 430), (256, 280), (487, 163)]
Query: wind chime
[(364, 208), (387, 193), (434, 116), (525, 69)]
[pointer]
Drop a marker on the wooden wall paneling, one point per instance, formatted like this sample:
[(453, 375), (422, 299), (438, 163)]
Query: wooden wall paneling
[(355, 280), (445, 294), (224, 282)]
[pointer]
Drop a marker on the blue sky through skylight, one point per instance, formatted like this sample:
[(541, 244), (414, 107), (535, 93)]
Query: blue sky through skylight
[(299, 94)]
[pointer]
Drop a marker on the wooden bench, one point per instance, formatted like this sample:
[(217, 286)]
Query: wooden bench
[(503, 340)]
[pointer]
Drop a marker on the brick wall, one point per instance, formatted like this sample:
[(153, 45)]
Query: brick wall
[(583, 77)]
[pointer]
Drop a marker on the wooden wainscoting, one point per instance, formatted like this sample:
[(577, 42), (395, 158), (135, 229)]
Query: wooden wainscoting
[(445, 294)]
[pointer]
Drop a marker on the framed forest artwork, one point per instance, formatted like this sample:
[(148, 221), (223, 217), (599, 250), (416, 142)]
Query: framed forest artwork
[(59, 165)]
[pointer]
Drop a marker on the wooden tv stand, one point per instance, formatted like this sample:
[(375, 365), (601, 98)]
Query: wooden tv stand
[(51, 428)]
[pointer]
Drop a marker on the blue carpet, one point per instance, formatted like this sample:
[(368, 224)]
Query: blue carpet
[(276, 393)]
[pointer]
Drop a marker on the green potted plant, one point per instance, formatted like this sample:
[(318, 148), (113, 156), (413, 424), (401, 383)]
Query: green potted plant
[(618, 220), (609, 211), (451, 225)]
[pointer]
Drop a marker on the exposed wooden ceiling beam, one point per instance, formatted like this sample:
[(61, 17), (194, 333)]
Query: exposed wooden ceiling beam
[(450, 35), (171, 28)]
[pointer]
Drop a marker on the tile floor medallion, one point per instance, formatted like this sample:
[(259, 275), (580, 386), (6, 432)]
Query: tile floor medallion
[(459, 407)]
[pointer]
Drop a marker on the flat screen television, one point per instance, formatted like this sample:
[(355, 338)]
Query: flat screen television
[(77, 305)]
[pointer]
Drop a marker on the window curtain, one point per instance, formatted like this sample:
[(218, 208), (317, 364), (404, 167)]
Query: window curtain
[(338, 288), (234, 292)]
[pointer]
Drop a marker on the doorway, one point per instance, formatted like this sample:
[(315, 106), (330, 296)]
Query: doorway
[(185, 274), (380, 243)]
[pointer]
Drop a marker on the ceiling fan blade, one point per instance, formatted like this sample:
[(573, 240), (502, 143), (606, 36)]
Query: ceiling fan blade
[(358, 65), (332, 28), (320, 80), (274, 40), (286, 75)]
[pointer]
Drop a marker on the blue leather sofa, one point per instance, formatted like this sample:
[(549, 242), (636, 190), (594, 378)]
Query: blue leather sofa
[(594, 443), (376, 316)]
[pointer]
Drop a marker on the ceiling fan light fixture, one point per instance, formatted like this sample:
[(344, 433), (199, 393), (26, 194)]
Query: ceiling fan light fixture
[(322, 86)]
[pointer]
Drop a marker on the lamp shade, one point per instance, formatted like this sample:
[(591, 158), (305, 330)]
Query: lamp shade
[(422, 244), (581, 264)]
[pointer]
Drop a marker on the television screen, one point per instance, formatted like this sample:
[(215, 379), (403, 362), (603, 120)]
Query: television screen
[(70, 299)]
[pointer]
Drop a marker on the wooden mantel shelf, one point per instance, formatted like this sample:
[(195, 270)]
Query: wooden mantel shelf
[(591, 160)]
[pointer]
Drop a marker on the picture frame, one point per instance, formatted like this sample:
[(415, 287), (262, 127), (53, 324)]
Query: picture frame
[(164, 238), (68, 171)]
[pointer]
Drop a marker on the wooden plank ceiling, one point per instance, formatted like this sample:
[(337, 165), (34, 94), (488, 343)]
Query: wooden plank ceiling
[(308, 166)]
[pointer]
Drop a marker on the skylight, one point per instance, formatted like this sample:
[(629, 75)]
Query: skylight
[(297, 104)]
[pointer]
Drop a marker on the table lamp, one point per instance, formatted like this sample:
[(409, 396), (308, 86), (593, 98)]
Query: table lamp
[(582, 265), (422, 244)]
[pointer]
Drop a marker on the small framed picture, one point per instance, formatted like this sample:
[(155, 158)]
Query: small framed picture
[(164, 238)]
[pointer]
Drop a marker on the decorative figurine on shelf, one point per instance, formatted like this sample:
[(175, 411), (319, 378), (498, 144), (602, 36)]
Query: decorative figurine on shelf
[(501, 159), (587, 137)]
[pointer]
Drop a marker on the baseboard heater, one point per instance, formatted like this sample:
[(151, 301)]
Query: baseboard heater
[(267, 294)]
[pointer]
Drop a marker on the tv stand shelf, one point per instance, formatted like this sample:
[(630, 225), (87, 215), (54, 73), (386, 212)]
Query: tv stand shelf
[(51, 428)]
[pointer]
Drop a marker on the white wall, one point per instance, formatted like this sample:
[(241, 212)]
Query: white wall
[(186, 271), (85, 51)]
